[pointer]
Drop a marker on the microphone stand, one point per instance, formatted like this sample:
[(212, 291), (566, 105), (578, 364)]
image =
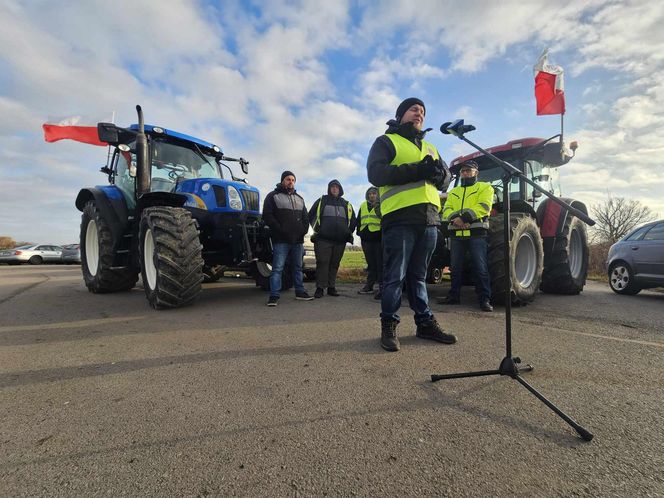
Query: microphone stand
[(508, 365)]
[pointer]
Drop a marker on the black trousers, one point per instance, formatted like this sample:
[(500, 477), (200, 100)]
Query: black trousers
[(373, 253), (328, 258)]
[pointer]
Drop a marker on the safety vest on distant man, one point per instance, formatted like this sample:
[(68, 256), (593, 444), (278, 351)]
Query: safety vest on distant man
[(394, 197), (475, 201), (369, 218), (332, 211)]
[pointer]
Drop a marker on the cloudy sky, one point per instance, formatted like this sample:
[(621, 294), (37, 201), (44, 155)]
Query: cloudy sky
[(307, 86)]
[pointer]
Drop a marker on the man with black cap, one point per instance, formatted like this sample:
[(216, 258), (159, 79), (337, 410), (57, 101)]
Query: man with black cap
[(409, 173), (286, 215), (467, 211), (333, 220)]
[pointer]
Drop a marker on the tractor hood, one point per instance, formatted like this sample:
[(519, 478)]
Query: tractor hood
[(226, 196)]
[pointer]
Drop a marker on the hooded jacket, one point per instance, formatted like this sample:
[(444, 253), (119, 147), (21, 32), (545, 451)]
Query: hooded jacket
[(381, 173), (286, 215), (334, 224), (366, 235)]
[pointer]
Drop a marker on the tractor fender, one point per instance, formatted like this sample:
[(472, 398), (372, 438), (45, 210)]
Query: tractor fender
[(551, 216), (152, 199), (111, 204)]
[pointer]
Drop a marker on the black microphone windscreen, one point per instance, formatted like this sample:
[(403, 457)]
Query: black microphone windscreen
[(443, 128)]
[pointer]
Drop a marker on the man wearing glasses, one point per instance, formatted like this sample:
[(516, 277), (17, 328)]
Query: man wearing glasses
[(467, 211)]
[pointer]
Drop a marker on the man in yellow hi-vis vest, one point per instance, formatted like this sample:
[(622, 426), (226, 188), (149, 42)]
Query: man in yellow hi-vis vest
[(368, 228), (467, 211), (409, 174)]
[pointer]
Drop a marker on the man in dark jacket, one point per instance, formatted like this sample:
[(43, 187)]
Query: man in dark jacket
[(286, 215), (409, 173), (368, 229), (333, 220)]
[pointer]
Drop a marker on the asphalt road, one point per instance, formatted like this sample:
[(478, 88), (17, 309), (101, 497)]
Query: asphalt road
[(101, 395)]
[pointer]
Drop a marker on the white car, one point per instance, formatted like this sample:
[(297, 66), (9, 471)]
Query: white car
[(34, 254)]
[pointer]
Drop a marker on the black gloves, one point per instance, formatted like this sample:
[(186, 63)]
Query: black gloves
[(427, 168), (434, 171)]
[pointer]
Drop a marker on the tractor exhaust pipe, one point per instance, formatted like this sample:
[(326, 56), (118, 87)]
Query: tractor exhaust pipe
[(142, 158)]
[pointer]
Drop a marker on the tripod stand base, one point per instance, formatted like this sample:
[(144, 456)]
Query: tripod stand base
[(508, 366)]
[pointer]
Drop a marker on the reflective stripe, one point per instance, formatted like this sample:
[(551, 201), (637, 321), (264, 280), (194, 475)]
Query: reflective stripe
[(485, 206), (397, 189)]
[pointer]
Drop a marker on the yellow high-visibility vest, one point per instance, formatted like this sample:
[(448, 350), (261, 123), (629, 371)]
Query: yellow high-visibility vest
[(368, 218), (394, 197), (475, 200)]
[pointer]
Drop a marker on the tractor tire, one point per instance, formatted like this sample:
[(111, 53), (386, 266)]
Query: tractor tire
[(621, 279), (96, 244), (170, 255), (526, 259), (566, 263), (212, 273), (261, 272)]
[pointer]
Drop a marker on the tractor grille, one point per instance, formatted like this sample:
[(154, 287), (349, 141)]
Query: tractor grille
[(250, 199), (219, 195)]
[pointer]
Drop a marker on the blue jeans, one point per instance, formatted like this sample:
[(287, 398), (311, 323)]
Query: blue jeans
[(280, 254), (477, 246), (407, 250)]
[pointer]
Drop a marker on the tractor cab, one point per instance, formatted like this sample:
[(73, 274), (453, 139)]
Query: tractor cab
[(538, 159)]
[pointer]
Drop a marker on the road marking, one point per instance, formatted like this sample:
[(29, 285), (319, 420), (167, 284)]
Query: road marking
[(66, 325), (619, 339)]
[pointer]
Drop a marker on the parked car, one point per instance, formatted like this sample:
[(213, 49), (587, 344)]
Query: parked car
[(309, 259), (637, 260), (34, 254), (71, 254)]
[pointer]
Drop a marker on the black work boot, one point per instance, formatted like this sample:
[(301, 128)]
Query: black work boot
[(388, 335), (431, 330)]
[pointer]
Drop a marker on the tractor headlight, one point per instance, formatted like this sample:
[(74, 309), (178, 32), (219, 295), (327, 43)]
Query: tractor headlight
[(234, 199)]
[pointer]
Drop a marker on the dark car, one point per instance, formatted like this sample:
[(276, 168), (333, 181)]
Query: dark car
[(637, 260)]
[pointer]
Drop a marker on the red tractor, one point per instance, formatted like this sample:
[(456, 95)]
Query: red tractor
[(548, 245)]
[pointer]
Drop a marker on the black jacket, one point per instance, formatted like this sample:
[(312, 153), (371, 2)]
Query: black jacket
[(334, 223), (380, 173), (286, 215)]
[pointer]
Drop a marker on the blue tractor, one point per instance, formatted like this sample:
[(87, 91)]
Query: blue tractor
[(172, 213)]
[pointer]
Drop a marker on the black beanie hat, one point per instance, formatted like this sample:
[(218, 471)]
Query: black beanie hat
[(287, 173), (406, 104)]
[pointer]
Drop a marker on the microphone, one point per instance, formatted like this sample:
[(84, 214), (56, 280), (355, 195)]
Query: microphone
[(456, 128)]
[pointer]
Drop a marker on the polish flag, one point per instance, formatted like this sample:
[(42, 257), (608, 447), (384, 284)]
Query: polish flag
[(78, 128), (549, 86)]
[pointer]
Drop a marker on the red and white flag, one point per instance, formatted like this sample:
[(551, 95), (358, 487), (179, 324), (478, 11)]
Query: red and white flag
[(549, 86), (78, 128)]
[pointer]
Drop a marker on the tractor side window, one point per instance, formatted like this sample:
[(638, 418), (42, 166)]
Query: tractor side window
[(123, 179)]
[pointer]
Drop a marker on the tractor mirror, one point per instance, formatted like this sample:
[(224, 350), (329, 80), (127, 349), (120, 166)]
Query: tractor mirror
[(574, 145), (108, 133)]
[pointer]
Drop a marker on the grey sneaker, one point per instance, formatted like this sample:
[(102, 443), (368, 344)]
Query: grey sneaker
[(303, 296), (272, 301), (366, 290), (388, 335), (432, 331)]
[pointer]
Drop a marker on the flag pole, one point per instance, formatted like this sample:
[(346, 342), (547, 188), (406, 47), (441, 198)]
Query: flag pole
[(562, 114)]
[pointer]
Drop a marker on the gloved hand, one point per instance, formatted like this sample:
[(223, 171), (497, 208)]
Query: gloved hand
[(442, 178), (427, 168)]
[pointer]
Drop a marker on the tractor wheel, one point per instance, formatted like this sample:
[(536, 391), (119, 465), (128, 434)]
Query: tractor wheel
[(435, 275), (566, 263), (97, 255), (261, 272), (212, 273), (35, 260), (526, 258), (621, 279), (170, 255)]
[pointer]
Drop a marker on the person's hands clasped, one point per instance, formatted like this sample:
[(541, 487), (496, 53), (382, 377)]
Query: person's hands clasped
[(459, 223)]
